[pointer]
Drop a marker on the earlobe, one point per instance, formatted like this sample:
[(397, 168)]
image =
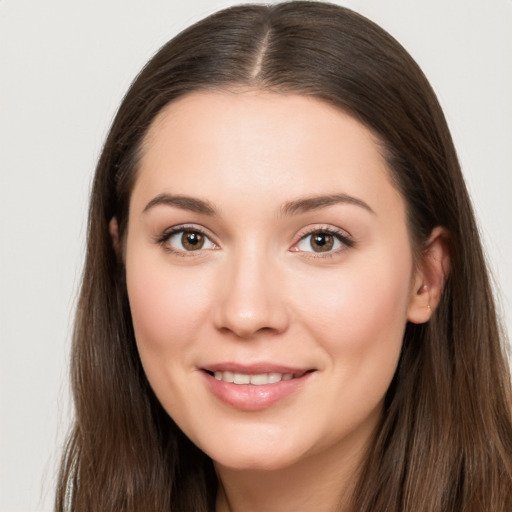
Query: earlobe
[(113, 229), (431, 274)]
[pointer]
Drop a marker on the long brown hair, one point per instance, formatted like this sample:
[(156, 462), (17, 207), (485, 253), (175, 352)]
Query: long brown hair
[(445, 441)]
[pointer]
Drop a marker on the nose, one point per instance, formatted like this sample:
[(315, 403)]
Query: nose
[(251, 297)]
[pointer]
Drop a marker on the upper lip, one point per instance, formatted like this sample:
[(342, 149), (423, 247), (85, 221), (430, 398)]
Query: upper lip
[(254, 368)]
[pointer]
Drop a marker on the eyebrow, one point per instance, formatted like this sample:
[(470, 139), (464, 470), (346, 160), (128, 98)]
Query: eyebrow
[(295, 207), (184, 202), (307, 204)]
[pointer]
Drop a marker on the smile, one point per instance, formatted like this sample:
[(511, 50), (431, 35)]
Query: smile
[(254, 388), (259, 379)]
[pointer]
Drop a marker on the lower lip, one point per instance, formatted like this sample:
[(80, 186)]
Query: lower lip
[(249, 397)]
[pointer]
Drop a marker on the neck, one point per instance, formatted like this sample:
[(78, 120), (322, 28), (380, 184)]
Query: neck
[(324, 482)]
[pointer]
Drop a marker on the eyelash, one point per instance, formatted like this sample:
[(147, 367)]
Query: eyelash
[(341, 236), (164, 238)]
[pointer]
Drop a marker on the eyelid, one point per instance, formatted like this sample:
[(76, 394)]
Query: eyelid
[(164, 237), (342, 235)]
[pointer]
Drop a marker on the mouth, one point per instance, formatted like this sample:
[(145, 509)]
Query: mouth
[(255, 387), (255, 379)]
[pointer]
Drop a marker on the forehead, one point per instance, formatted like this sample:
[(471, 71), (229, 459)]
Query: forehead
[(220, 145)]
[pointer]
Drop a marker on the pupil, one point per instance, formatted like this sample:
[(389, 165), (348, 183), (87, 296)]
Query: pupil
[(192, 240), (322, 242)]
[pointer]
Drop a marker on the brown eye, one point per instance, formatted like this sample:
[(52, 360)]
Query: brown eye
[(322, 242), (192, 240), (187, 240)]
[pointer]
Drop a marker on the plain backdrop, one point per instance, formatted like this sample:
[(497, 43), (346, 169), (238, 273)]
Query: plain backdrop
[(64, 66)]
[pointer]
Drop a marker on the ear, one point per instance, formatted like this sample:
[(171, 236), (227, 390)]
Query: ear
[(428, 281), (113, 229)]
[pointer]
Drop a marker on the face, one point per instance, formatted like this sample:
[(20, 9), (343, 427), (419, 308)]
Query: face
[(270, 275)]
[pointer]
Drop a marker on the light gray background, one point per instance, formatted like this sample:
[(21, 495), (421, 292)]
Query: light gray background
[(64, 66)]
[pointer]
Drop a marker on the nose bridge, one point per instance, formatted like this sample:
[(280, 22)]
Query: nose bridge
[(250, 296)]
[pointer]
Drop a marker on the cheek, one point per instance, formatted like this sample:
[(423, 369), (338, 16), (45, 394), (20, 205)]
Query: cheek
[(360, 312), (168, 308)]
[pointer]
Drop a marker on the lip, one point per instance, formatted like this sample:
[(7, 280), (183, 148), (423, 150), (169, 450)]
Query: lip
[(249, 397), (253, 368)]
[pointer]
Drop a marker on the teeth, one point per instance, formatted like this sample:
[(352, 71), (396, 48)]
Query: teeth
[(259, 379), (274, 377), (242, 378)]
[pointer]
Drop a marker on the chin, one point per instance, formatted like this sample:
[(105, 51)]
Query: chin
[(254, 454), (255, 461)]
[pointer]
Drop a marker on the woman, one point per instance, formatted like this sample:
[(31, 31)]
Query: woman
[(285, 305)]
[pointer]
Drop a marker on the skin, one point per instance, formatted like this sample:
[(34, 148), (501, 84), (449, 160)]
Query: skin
[(257, 290)]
